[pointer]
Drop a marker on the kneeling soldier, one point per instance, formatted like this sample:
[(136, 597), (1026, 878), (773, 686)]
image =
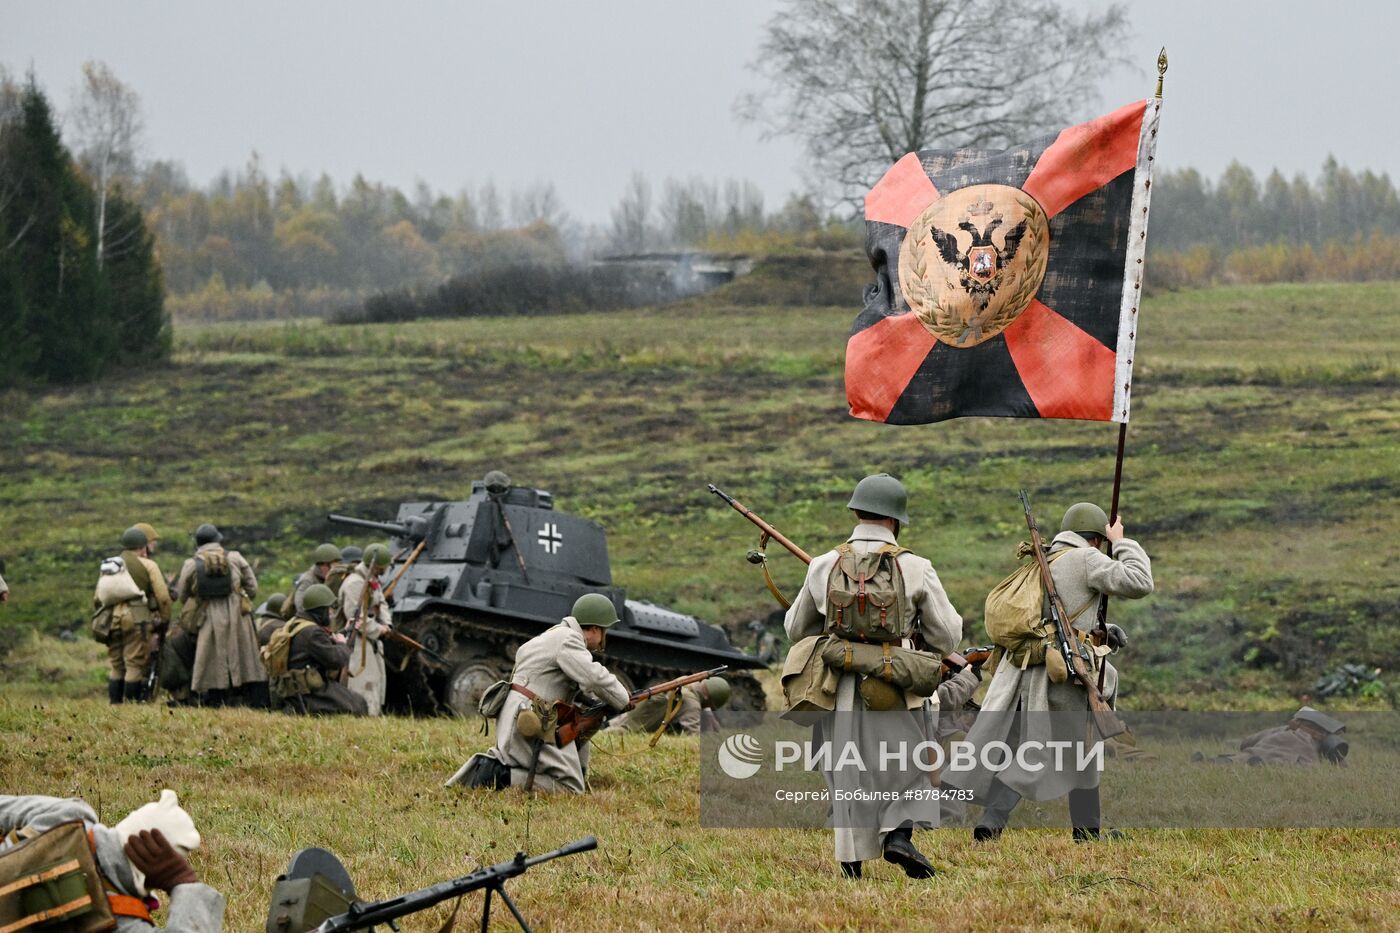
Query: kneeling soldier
[(304, 660), (550, 667)]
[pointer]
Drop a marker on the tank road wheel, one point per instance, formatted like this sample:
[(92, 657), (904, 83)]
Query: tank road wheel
[(469, 681)]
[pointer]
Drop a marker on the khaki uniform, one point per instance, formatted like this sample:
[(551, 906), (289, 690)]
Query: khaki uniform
[(266, 623), (367, 674), (1081, 577), (129, 648), (226, 650), (554, 665), (1297, 743), (305, 581), (861, 825), (313, 650), (691, 719), (191, 908)]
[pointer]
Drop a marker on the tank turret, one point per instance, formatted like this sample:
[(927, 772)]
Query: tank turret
[(502, 566)]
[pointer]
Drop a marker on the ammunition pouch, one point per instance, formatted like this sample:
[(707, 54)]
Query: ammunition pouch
[(297, 682), (51, 881), (809, 686), (102, 625), (915, 672), (493, 699)]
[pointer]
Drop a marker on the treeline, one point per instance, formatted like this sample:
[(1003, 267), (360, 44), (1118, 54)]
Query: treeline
[(80, 286)]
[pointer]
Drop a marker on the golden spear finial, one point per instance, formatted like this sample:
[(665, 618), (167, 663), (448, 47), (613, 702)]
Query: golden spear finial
[(1161, 70)]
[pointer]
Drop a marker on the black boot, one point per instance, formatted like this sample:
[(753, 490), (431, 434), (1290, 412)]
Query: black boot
[(255, 695), (134, 691), (114, 691), (211, 698), (850, 869), (1001, 800), (1084, 814), (899, 850)]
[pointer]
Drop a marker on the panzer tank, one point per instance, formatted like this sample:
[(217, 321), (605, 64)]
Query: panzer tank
[(476, 579)]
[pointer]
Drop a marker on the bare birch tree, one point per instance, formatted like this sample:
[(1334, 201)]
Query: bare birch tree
[(863, 82), (107, 126), (12, 163)]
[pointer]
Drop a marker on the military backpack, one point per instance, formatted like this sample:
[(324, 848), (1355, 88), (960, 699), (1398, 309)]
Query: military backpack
[(213, 577), (50, 881), (1017, 616), (276, 654), (865, 598)]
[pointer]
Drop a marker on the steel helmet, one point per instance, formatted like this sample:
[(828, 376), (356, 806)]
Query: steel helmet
[(376, 555), (318, 596), (716, 690), (134, 539), (1085, 518), (883, 495), (325, 554), (351, 553), (595, 609), (151, 536), (207, 534)]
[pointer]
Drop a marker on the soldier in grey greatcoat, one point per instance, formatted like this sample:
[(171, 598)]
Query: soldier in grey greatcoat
[(1083, 574), (866, 830), (1306, 739), (366, 617), (144, 852), (226, 656), (322, 559), (551, 666)]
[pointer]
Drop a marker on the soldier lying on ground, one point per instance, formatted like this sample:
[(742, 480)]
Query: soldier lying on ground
[(1306, 739), (145, 852), (693, 715)]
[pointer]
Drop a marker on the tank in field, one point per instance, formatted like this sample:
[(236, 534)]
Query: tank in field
[(500, 568)]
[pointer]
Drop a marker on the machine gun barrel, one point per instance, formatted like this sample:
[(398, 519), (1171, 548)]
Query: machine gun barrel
[(364, 916), (389, 528)]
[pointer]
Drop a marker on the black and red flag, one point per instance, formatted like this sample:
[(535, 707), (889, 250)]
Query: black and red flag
[(1007, 282)]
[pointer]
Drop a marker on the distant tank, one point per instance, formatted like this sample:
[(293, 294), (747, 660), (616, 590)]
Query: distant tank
[(499, 569)]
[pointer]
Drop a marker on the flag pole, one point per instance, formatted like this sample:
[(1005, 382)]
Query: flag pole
[(1102, 627)]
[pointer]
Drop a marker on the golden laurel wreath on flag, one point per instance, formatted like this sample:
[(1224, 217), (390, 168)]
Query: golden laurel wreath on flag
[(967, 294)]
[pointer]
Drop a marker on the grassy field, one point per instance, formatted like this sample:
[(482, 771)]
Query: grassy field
[(1261, 476), (261, 786), (1260, 462)]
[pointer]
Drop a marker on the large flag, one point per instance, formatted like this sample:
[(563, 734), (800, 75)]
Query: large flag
[(1007, 283)]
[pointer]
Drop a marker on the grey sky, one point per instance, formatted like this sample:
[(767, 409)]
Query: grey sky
[(456, 93)]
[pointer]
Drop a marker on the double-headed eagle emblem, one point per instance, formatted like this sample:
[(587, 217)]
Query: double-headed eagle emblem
[(966, 270)]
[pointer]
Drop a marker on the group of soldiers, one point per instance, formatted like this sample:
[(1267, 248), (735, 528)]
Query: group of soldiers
[(319, 650), (868, 712)]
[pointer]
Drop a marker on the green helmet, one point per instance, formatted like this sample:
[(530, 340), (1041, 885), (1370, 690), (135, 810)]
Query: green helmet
[(325, 554), (881, 494), (717, 691), (351, 553), (376, 555), (318, 596), (134, 539), (595, 609), (275, 602), (207, 534), (1085, 518), (497, 483)]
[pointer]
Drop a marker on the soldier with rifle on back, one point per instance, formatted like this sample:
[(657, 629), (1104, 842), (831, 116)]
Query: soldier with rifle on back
[(367, 621), (1046, 687), (871, 590)]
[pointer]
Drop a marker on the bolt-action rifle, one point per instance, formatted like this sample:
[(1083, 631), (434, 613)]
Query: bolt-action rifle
[(952, 663), (1070, 645), (575, 721)]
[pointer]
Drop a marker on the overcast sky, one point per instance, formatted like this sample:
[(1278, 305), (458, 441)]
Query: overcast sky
[(582, 93)]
